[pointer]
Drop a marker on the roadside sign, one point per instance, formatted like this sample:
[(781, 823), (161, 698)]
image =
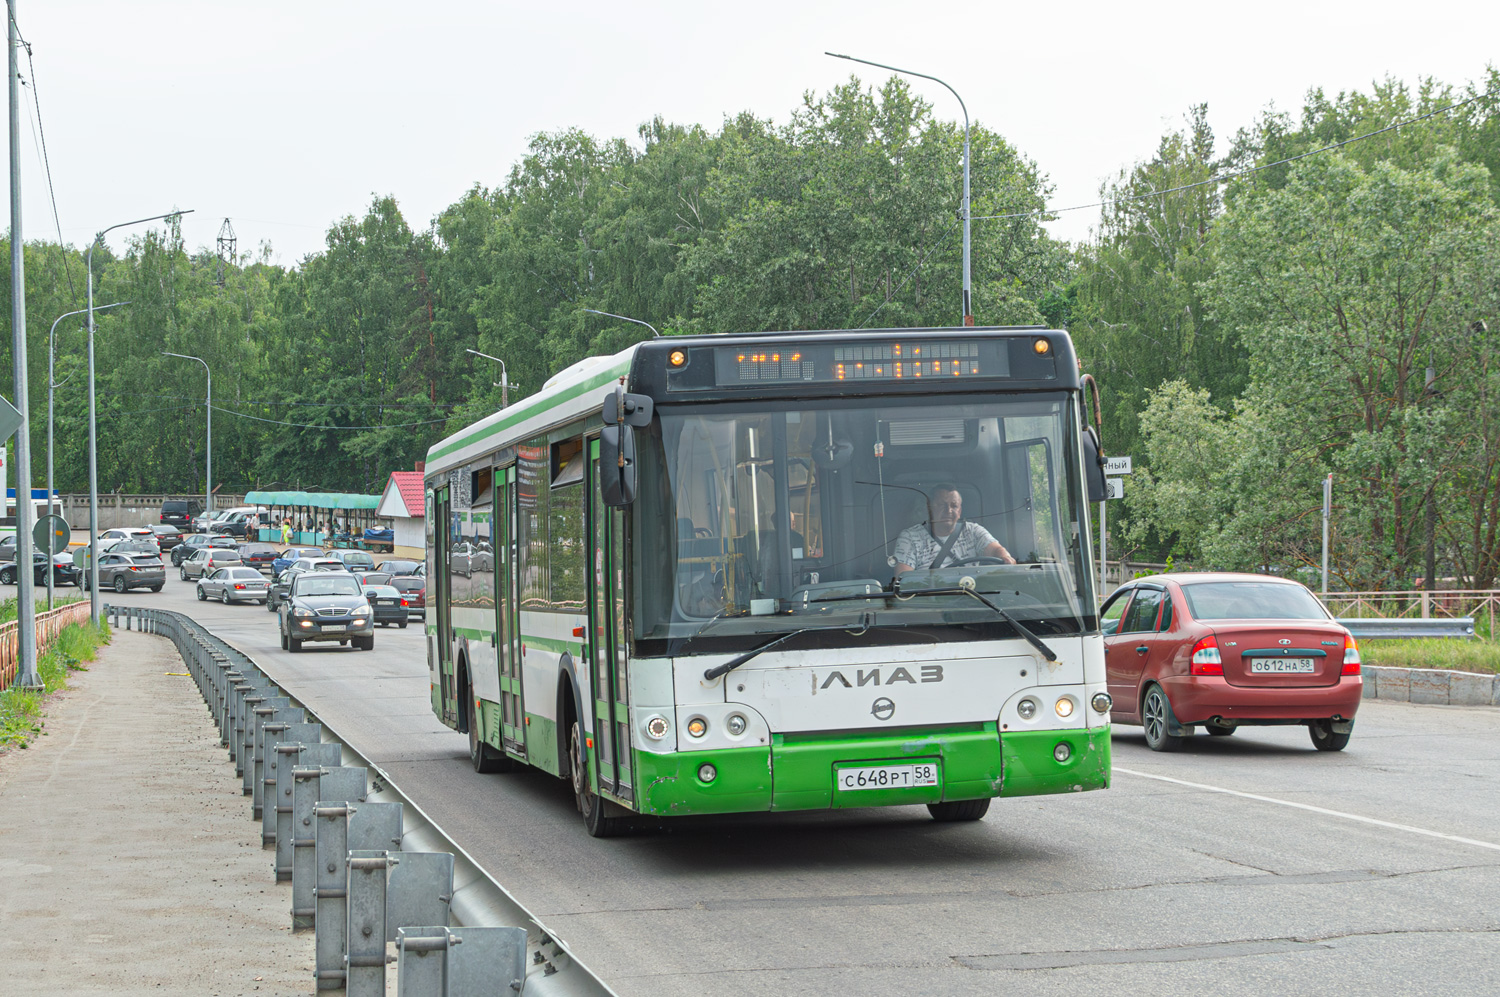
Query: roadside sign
[(52, 534), (1114, 488), (10, 419), (1117, 465)]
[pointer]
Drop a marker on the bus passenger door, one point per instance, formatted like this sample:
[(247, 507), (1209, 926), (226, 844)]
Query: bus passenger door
[(507, 624), (610, 693), (440, 586)]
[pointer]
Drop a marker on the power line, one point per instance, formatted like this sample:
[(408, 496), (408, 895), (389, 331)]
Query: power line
[(1248, 171), (46, 161), (935, 247)]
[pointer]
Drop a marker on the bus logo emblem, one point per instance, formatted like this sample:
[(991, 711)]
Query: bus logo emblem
[(883, 709)]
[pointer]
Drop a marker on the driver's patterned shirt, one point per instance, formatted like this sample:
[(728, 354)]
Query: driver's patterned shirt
[(917, 546)]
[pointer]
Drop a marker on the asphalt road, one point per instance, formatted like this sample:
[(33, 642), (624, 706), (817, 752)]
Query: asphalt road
[(1240, 865)]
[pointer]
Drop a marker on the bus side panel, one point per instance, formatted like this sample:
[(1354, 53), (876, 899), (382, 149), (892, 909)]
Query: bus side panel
[(545, 638)]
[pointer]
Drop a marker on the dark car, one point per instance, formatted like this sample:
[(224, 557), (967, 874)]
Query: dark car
[(167, 535), (387, 603), (180, 513), (205, 560), (1227, 651), (414, 590), (62, 574), (291, 554), (354, 560), (326, 605), (283, 584), (123, 572), (398, 566), (258, 555), (193, 542)]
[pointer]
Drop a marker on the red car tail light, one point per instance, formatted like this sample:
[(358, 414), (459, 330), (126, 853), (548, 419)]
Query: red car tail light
[(1351, 656), (1206, 660), (238, 585), (403, 602)]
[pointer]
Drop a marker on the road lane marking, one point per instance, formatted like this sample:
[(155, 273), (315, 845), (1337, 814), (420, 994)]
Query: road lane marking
[(1317, 810)]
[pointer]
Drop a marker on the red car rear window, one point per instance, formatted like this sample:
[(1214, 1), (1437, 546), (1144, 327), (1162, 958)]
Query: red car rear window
[(1252, 601)]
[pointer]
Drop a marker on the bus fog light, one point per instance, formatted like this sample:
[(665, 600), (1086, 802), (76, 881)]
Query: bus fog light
[(1064, 707), (1102, 702), (656, 727), (736, 724), (1063, 751), (707, 773), (1027, 708), (697, 727)]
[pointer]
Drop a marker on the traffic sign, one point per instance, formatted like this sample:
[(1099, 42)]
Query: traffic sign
[(1114, 488), (1117, 465), (10, 419), (52, 534)]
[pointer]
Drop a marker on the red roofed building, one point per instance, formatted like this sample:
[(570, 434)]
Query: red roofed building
[(403, 504)]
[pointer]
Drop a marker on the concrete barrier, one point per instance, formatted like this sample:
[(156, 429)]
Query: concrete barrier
[(1433, 686)]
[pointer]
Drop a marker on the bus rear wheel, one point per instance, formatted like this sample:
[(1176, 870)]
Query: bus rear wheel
[(959, 810), (589, 804)]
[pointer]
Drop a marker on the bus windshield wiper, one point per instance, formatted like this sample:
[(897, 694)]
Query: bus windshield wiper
[(1016, 624), (735, 662)]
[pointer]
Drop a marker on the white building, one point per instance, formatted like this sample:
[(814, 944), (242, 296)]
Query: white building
[(402, 503)]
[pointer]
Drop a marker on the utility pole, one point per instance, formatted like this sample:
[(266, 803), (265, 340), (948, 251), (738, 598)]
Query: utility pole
[(1327, 511), (26, 674), (1429, 575)]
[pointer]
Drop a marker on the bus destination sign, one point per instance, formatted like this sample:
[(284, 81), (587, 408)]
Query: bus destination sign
[(882, 361)]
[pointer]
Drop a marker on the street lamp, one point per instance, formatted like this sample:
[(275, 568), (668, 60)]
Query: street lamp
[(504, 384), (52, 386), (94, 422), (624, 318), (208, 414), (968, 311)]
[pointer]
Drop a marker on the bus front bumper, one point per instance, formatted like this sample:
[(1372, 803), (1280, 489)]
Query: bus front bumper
[(801, 772)]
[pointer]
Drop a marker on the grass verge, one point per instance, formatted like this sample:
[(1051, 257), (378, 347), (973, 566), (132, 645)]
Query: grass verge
[(21, 710), (1459, 655)]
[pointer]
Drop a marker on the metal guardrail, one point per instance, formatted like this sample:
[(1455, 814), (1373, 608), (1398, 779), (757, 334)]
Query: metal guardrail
[(369, 870), (1402, 628)]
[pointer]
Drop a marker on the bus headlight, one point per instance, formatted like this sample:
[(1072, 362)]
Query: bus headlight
[(1063, 751), (1027, 708), (1064, 707), (735, 724), (1102, 702), (656, 728)]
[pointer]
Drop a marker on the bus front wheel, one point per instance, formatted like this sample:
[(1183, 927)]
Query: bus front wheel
[(589, 804)]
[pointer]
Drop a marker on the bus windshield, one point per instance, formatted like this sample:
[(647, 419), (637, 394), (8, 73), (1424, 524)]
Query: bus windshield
[(768, 517)]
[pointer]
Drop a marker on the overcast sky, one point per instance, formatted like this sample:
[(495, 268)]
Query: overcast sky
[(284, 116)]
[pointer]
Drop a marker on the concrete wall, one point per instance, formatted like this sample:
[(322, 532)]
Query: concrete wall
[(130, 510)]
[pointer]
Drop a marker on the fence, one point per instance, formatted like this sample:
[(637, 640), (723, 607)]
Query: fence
[(48, 625), (1416, 604)]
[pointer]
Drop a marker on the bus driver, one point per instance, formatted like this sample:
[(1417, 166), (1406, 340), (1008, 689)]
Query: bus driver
[(945, 539)]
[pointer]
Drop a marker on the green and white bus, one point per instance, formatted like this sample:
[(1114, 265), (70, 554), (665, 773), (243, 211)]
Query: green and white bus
[(672, 577)]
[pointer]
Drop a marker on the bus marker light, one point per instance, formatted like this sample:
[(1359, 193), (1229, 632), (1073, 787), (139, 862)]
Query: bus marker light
[(1063, 751), (736, 724), (677, 358), (657, 727), (1102, 702), (1064, 707), (707, 773), (697, 727), (1041, 346), (1027, 708)]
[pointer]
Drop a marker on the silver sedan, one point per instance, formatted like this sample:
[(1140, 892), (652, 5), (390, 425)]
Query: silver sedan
[(234, 585)]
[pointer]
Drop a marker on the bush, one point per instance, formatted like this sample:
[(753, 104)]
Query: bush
[(21, 709), (1433, 652)]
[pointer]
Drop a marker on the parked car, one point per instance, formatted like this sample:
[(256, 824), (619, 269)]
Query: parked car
[(258, 555), (132, 547), (414, 590), (284, 561), (386, 602), (197, 541), (123, 572), (1227, 651), (399, 566), (283, 585), (167, 536), (326, 605), (205, 559), (241, 523), (63, 572), (355, 560), (234, 585), (109, 538), (180, 513)]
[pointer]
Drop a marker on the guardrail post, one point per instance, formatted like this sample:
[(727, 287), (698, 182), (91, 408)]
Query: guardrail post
[(364, 961), (421, 961), (272, 731), (440, 961), (277, 812), (297, 846), (419, 891), (261, 715), (340, 829)]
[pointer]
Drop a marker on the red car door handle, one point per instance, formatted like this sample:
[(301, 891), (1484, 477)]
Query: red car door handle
[(1142, 649)]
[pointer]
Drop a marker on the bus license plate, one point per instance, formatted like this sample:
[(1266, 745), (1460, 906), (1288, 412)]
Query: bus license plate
[(888, 776), (1278, 666)]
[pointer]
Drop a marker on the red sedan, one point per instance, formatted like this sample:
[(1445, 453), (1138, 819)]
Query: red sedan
[(1226, 651)]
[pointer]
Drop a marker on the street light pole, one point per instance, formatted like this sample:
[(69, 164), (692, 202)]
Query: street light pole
[(208, 414), (94, 422), (52, 386), (504, 384), (968, 310)]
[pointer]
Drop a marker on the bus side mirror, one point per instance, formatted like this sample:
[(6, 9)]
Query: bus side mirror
[(1093, 466), (617, 465), (626, 409)]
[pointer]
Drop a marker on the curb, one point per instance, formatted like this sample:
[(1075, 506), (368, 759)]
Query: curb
[(1431, 686)]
